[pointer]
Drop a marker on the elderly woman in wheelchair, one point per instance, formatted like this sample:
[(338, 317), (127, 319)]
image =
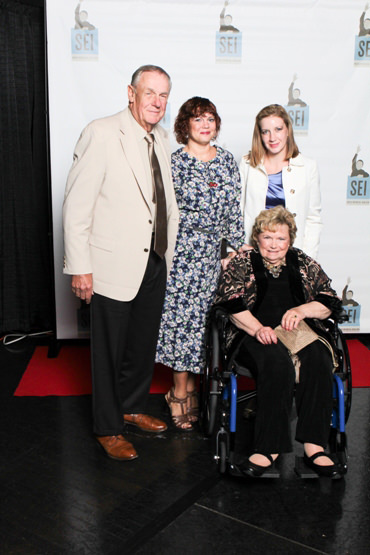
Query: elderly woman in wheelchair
[(276, 290)]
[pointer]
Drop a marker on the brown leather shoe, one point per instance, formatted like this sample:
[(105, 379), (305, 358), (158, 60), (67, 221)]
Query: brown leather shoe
[(117, 447), (145, 422)]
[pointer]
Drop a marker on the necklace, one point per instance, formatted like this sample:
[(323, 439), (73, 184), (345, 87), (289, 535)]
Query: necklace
[(203, 156), (274, 269)]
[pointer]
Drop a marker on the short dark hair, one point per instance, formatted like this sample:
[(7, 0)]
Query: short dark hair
[(140, 70), (192, 108)]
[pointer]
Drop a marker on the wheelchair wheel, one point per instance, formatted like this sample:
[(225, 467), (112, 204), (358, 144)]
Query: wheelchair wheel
[(222, 451), (338, 447), (211, 408), (210, 385)]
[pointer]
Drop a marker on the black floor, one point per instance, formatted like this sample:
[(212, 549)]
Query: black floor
[(61, 495)]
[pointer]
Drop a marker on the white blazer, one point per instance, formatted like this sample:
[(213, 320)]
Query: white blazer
[(302, 197), (107, 212)]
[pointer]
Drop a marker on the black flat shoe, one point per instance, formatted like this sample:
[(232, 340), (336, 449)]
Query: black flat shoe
[(333, 471), (256, 470)]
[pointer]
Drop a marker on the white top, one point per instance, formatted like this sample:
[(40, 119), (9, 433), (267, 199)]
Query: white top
[(301, 186)]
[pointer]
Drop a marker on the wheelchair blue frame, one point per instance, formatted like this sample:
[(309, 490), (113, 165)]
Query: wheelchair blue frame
[(230, 393), (222, 386)]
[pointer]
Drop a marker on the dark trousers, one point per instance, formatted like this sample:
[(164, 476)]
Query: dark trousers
[(123, 344), (273, 369)]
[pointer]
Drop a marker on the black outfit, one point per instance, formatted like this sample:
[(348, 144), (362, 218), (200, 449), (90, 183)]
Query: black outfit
[(247, 285), (126, 332), (273, 369)]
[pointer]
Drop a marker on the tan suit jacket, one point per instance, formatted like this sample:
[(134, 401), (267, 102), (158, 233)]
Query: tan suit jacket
[(107, 212)]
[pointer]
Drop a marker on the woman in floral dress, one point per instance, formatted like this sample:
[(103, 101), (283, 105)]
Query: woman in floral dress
[(207, 186)]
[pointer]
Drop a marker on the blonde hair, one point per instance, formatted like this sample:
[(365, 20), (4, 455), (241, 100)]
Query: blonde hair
[(258, 151), (269, 219)]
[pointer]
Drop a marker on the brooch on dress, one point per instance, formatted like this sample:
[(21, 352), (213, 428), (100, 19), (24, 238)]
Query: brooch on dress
[(213, 184)]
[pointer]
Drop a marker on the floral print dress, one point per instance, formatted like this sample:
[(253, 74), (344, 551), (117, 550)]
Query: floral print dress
[(208, 197)]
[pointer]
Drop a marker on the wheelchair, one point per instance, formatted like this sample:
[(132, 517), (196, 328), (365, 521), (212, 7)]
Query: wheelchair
[(219, 399)]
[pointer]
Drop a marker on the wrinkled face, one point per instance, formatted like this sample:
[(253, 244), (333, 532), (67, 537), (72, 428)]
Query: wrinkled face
[(148, 100), (274, 134), (273, 245), (202, 129)]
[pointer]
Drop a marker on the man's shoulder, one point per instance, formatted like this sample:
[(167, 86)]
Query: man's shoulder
[(114, 121), (106, 128)]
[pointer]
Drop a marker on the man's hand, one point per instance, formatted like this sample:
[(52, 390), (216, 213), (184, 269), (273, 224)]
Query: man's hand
[(82, 287)]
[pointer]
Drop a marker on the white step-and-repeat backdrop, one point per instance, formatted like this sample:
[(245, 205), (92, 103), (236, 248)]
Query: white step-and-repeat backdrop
[(312, 56)]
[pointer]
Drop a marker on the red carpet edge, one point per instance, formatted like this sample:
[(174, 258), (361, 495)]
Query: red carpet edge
[(69, 373)]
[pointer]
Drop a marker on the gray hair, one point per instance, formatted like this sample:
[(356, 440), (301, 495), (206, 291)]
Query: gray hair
[(138, 73)]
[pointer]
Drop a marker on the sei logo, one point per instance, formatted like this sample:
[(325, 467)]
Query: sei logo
[(362, 40), (351, 307), (362, 49), (297, 108), (84, 43), (358, 183), (84, 36), (228, 39)]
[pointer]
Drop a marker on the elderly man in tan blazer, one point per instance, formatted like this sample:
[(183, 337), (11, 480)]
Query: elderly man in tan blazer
[(120, 225)]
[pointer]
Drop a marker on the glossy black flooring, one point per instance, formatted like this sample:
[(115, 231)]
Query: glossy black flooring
[(61, 495)]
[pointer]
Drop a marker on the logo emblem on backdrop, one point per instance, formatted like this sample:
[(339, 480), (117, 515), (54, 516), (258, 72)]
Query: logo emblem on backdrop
[(228, 39), (362, 40), (297, 109), (84, 36), (351, 307), (358, 183)]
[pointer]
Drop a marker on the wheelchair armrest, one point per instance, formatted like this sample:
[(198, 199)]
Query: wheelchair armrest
[(343, 317), (219, 314)]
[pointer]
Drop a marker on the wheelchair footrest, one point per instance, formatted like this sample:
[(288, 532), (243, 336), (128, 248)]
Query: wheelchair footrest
[(271, 473), (302, 470), (234, 470)]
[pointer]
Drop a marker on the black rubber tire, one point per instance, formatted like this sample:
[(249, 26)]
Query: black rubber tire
[(222, 452), (211, 408)]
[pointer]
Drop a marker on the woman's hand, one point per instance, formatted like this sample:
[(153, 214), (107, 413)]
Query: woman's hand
[(245, 248), (249, 323), (313, 309), (266, 335), (225, 261), (292, 317)]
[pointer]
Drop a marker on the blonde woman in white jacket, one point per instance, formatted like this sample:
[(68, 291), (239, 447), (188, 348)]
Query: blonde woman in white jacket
[(275, 173)]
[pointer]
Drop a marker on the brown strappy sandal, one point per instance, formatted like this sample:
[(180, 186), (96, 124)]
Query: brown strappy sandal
[(179, 419), (193, 408)]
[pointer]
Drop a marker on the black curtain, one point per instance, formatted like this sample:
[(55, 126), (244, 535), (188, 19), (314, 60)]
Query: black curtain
[(26, 276)]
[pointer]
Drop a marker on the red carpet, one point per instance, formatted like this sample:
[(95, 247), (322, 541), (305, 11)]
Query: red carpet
[(69, 373)]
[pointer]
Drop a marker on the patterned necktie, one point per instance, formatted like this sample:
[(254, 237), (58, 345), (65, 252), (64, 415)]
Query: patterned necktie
[(160, 239)]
